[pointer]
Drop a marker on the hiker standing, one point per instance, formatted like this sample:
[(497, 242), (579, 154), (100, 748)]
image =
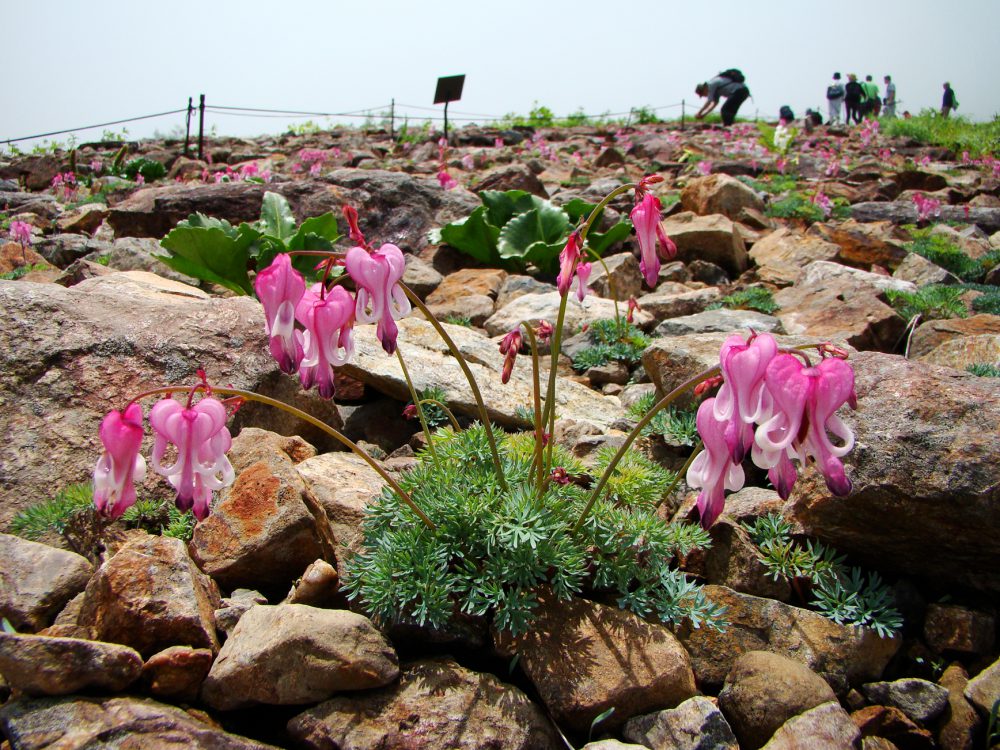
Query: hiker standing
[(835, 97), (854, 95), (948, 102), (889, 108), (729, 84), (873, 102)]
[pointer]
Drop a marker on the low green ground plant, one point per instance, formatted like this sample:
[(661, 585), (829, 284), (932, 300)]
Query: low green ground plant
[(956, 133), (930, 302), (675, 425), (611, 341), (756, 298)]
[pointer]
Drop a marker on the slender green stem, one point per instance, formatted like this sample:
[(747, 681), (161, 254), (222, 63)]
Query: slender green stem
[(416, 402), (336, 434), (549, 417), (636, 431), (537, 390), (611, 288), (601, 206), (445, 409), (681, 473), (483, 415)]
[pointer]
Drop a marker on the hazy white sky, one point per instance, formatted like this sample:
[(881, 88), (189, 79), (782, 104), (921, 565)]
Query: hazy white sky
[(76, 63)]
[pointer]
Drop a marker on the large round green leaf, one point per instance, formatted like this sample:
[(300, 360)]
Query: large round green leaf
[(544, 223)]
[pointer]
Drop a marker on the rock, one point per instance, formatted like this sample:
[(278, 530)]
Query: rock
[(435, 704), (260, 532), (960, 353), (713, 238), (781, 255), (512, 177), (420, 276), (476, 308), (291, 654), (317, 587), (517, 286), (625, 280), (673, 305), (958, 727), (62, 249), (983, 690), (234, 607), (952, 628), (920, 700), (719, 194), (840, 309), (584, 658), (751, 503), (721, 320), (821, 271), (919, 179), (987, 219), (40, 665), (930, 335), (68, 356), (536, 307), (75, 723), (430, 368), (841, 654), (612, 372), (36, 581), (941, 443), (611, 745), (733, 560), (826, 727), (864, 244), (176, 673), (877, 743), (80, 270), (892, 724), (484, 282), (83, 219), (149, 596), (35, 171), (764, 690), (138, 254), (708, 273), (917, 269), (696, 724)]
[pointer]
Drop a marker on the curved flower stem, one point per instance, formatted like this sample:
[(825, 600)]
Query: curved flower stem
[(474, 387), (416, 402), (602, 205), (537, 390), (636, 431), (549, 416), (611, 287), (681, 472), (336, 434), (447, 412)]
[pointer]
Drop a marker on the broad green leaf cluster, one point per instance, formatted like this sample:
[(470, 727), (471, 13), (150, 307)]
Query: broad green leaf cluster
[(495, 554), (514, 228), (214, 250)]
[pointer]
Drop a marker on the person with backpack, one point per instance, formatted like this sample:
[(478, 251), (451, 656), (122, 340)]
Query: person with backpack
[(873, 99), (729, 84), (835, 98), (948, 102), (854, 98)]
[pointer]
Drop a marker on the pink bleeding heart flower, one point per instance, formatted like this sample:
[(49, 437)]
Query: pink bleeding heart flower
[(510, 345), (633, 308), (327, 342), (582, 277), (200, 435), (713, 469), (120, 466), (544, 331), (380, 297), (568, 259), (279, 287), (446, 180), (653, 241), (743, 399), (804, 401)]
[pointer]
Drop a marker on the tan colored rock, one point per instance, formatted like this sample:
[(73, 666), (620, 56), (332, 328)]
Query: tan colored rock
[(536, 307), (734, 561), (865, 244), (83, 219), (36, 581), (40, 665), (673, 305), (291, 654), (624, 282), (781, 255), (921, 271), (893, 725), (584, 658), (260, 532), (960, 353), (841, 654), (150, 595), (482, 281), (436, 704), (826, 727), (921, 700), (764, 690), (176, 673), (960, 724), (983, 690), (719, 194), (713, 238), (957, 629), (317, 587), (933, 333), (696, 724)]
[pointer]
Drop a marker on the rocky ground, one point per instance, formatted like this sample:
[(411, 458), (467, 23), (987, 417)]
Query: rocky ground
[(240, 638)]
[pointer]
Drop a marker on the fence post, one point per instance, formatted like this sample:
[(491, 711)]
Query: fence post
[(187, 128), (201, 128), (392, 119), (682, 114)]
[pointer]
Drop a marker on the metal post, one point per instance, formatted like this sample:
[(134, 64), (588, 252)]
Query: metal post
[(187, 128), (446, 122), (682, 114), (201, 128), (392, 119)]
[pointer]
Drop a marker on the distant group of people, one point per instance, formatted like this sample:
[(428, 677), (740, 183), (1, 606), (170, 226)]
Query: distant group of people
[(859, 100), (856, 99)]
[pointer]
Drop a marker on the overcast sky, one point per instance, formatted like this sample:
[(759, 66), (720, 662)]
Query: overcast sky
[(78, 63)]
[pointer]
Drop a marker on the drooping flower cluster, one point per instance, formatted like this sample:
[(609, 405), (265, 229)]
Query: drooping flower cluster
[(653, 241), (20, 232), (326, 315), (927, 208), (869, 131), (822, 200), (793, 405), (199, 435)]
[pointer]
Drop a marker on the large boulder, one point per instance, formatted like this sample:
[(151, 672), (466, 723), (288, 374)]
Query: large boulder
[(36, 581), (719, 194), (435, 704), (781, 255), (864, 245), (714, 238), (826, 727), (696, 724), (926, 495)]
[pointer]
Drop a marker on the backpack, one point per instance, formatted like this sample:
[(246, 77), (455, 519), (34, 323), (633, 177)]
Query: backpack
[(785, 113), (835, 91), (734, 75)]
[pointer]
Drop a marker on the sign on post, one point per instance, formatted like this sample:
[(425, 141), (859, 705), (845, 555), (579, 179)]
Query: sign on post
[(449, 89)]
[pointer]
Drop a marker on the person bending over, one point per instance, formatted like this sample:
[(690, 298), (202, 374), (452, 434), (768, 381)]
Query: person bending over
[(729, 85)]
